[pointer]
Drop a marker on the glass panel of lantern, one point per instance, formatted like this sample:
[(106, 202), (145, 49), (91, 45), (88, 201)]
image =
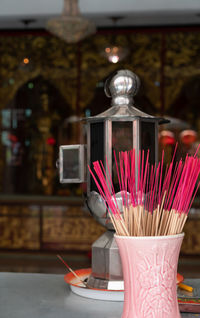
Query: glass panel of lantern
[(122, 140), (108, 135), (149, 139)]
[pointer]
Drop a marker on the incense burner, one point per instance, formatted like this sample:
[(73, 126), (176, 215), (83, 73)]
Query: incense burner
[(120, 128)]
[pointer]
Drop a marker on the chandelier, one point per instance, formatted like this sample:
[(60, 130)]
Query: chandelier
[(71, 26)]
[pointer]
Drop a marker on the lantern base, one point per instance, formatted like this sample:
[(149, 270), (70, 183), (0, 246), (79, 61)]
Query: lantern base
[(104, 284), (78, 288), (106, 263)]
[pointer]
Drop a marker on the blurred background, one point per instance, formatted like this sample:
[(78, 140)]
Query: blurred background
[(54, 59)]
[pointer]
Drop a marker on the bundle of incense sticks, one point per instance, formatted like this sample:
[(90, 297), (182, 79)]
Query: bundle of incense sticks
[(156, 200)]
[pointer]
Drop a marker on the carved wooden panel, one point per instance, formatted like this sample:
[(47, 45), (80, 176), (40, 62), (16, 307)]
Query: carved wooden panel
[(57, 227), (19, 228), (69, 228)]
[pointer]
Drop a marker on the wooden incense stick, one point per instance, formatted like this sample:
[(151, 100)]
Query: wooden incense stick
[(71, 270), (155, 201)]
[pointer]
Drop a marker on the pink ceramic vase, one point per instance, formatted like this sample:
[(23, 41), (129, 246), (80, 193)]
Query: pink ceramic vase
[(149, 268)]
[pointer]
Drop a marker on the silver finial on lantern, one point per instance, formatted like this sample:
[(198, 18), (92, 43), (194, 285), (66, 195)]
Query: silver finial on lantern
[(122, 87)]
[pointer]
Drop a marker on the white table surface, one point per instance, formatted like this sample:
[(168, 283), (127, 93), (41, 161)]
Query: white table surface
[(48, 296)]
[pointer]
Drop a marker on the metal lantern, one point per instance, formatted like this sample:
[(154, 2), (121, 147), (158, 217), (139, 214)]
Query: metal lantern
[(120, 128)]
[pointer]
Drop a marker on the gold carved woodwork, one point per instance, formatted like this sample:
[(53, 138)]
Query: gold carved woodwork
[(71, 233), (49, 57), (63, 227), (57, 61), (181, 62), (19, 233)]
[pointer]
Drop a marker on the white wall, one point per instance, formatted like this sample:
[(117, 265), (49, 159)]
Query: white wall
[(51, 7)]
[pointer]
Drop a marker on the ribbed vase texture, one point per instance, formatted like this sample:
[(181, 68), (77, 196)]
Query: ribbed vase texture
[(150, 269)]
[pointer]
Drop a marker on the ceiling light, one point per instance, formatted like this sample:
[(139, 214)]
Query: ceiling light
[(115, 53)]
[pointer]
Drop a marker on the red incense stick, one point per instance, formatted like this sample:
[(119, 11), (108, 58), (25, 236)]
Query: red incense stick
[(154, 202), (71, 270)]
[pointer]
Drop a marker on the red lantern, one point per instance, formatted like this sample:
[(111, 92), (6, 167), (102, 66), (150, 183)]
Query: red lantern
[(13, 138), (167, 138), (188, 137), (51, 141)]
